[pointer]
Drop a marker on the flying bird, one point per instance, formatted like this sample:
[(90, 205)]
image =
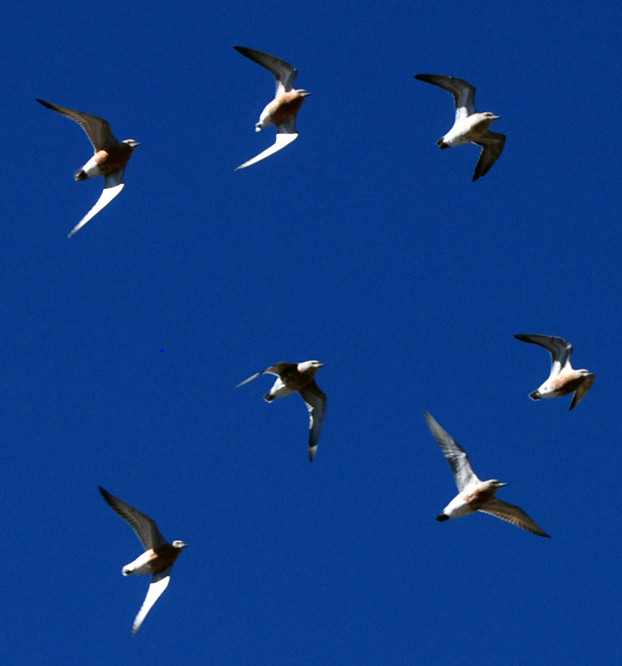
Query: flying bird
[(298, 377), (158, 558), (109, 159), (564, 379), (282, 110), (475, 495), (469, 126)]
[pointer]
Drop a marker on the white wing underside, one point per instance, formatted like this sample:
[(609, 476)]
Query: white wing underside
[(280, 142), (112, 188), (158, 585)]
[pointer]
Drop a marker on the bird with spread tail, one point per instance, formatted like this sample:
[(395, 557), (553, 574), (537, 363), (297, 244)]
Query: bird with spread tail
[(158, 558), (475, 495), (109, 160), (283, 109), (564, 379), (298, 377), (469, 125)]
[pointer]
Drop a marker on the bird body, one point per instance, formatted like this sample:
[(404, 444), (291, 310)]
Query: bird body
[(298, 378), (280, 112), (158, 558), (563, 379), (469, 126), (475, 494), (109, 160)]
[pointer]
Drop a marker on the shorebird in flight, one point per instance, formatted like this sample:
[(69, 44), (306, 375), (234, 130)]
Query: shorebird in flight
[(299, 377), (109, 159), (158, 558), (282, 110), (469, 126), (475, 495), (564, 379)]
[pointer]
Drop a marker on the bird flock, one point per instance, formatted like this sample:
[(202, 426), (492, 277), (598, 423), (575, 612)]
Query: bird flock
[(470, 126)]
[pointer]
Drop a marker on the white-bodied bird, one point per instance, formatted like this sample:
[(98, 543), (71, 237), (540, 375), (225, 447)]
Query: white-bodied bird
[(474, 494), (469, 125), (158, 558), (299, 377)]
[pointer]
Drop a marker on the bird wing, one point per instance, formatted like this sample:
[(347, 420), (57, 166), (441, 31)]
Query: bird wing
[(159, 583), (512, 514), (455, 454), (288, 127), (462, 91), (281, 140), (315, 399), (492, 144), (113, 184), (145, 528), (250, 379), (560, 350), (97, 129), (284, 73), (582, 390), (275, 369)]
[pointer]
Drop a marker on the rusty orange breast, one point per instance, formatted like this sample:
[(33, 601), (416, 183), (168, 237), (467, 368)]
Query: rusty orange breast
[(114, 158)]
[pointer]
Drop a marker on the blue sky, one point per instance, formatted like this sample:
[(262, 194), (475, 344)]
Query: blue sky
[(361, 245)]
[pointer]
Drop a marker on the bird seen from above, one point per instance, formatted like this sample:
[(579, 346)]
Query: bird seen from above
[(109, 159), (298, 377), (158, 558), (283, 109), (475, 495), (469, 125), (564, 379)]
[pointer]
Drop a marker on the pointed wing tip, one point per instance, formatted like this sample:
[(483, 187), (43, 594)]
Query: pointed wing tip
[(156, 588), (249, 379), (281, 140), (79, 226), (534, 529), (47, 105), (428, 417)]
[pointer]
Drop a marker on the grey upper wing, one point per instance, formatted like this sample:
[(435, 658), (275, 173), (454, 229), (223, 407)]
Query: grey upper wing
[(512, 514), (582, 390), (560, 350), (284, 73), (145, 528), (275, 369), (316, 400), (455, 454), (462, 91), (96, 128), (492, 146)]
